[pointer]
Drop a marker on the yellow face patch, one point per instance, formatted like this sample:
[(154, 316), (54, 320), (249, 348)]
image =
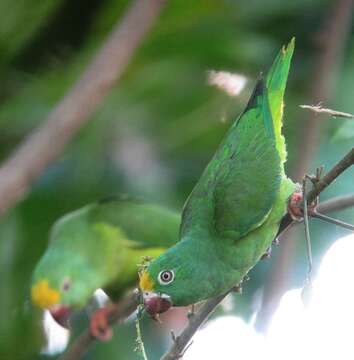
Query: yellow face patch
[(146, 283), (43, 295)]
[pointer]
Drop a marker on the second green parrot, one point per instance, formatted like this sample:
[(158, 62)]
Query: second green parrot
[(233, 213), (99, 246)]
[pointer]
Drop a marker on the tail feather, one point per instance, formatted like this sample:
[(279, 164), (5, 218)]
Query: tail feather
[(276, 83)]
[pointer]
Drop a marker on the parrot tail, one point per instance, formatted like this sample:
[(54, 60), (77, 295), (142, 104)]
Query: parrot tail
[(276, 83)]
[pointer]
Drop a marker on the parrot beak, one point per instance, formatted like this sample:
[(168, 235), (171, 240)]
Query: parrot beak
[(61, 314), (155, 304)]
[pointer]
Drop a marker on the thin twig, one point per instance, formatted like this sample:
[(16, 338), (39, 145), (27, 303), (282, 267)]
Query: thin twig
[(139, 339), (307, 231), (45, 144), (320, 110), (80, 345), (333, 221)]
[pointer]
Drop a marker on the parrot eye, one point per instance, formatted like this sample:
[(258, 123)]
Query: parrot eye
[(66, 284), (166, 277)]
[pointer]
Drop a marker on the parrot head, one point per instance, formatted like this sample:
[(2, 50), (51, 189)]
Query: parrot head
[(72, 267), (47, 297), (61, 285), (175, 278), (155, 301)]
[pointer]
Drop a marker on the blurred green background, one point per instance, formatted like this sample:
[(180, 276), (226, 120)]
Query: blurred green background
[(155, 132)]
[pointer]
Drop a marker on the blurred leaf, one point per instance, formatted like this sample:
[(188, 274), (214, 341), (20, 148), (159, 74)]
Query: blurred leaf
[(20, 21)]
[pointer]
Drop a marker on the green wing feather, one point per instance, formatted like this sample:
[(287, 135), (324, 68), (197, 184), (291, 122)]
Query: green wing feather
[(145, 224), (276, 83)]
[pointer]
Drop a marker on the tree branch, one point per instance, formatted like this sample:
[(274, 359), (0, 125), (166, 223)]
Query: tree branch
[(336, 203), (80, 345), (44, 144), (339, 168), (204, 312), (195, 322)]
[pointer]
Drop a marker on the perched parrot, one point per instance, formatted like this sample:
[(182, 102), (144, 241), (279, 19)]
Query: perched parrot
[(232, 215), (99, 246)]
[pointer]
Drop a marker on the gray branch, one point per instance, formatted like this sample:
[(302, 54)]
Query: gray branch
[(195, 322), (337, 203)]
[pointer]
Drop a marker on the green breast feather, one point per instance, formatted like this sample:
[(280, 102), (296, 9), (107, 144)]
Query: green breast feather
[(233, 213)]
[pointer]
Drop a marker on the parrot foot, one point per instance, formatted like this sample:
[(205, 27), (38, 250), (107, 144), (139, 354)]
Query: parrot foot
[(99, 323), (295, 206), (267, 254), (276, 242)]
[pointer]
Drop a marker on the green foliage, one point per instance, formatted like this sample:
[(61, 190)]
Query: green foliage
[(20, 22)]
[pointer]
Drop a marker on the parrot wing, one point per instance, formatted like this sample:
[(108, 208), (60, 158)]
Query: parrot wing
[(238, 188), (143, 224)]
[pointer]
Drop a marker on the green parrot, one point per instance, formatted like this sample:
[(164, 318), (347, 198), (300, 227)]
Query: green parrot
[(233, 213), (99, 246)]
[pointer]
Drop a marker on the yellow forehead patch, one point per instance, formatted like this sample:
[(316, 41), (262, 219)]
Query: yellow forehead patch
[(146, 283), (43, 295)]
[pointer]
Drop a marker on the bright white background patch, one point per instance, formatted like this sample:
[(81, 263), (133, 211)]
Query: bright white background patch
[(231, 83)]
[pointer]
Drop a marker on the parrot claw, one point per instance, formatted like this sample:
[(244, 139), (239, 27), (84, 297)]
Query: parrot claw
[(99, 324), (294, 206), (267, 254), (245, 278), (276, 242)]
